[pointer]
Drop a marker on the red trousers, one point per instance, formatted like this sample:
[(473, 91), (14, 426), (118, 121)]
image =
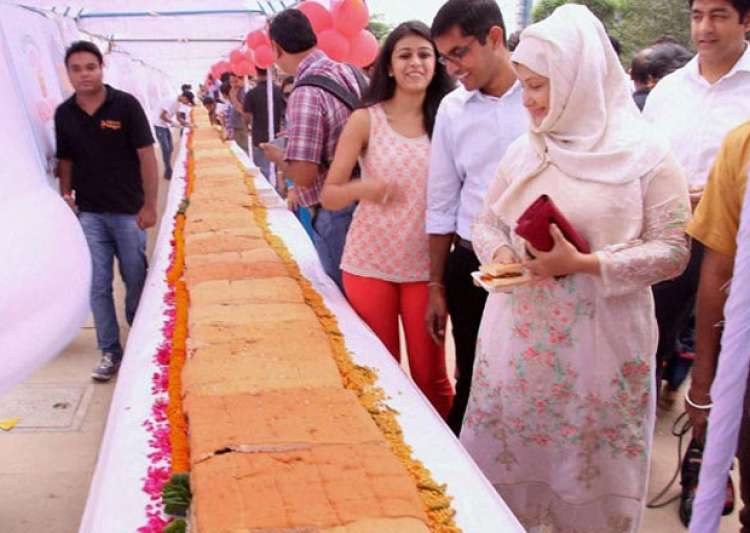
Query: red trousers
[(380, 303)]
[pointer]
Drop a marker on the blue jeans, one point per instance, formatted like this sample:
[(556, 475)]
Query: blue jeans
[(164, 136), (329, 236), (111, 235)]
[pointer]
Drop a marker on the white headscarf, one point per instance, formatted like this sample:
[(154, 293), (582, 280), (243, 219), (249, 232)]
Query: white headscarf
[(593, 130)]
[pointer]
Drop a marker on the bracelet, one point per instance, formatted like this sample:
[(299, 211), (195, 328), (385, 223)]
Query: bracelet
[(698, 406), (435, 284)]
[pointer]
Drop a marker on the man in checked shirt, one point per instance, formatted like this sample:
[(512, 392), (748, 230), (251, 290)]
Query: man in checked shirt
[(315, 119)]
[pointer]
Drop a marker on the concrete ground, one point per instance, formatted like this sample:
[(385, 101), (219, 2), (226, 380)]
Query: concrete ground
[(49, 458)]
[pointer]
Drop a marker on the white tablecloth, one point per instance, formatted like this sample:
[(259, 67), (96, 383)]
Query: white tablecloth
[(116, 501)]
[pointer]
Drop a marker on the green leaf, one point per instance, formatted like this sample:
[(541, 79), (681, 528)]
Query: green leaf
[(176, 495), (181, 478), (175, 510), (178, 525)]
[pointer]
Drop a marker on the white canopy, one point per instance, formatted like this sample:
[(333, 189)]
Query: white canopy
[(182, 38)]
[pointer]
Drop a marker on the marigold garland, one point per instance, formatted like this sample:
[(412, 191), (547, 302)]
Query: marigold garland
[(362, 381), (177, 421), (167, 426), (178, 426)]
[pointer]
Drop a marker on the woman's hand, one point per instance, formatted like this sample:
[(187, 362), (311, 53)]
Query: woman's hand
[(376, 191), (562, 260)]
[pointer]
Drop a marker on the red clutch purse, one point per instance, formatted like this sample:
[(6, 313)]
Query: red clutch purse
[(534, 223)]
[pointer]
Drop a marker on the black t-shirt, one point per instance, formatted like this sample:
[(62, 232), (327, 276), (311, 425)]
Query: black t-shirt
[(103, 149), (256, 103)]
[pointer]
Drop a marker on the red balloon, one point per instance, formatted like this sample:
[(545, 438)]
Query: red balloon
[(264, 56), (236, 56), (257, 38), (363, 49), (319, 17), (221, 67), (335, 45), (350, 17), (244, 68)]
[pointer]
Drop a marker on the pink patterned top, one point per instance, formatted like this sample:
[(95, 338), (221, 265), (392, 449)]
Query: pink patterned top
[(388, 241)]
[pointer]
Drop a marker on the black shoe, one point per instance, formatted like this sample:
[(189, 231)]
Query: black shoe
[(107, 368), (691, 468), (729, 502)]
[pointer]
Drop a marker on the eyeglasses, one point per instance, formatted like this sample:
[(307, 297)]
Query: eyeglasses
[(457, 55)]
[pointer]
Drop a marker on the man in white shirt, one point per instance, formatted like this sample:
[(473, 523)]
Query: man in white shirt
[(164, 118), (474, 126), (696, 107)]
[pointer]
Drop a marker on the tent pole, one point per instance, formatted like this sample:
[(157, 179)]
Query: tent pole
[(176, 40), (271, 126), (137, 14)]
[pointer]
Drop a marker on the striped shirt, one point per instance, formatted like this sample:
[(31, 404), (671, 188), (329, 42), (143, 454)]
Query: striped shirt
[(315, 119)]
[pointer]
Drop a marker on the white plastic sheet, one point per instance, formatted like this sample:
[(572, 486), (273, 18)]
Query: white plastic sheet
[(45, 269)]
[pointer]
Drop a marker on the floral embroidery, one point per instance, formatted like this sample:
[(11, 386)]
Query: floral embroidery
[(543, 516), (661, 253), (550, 410)]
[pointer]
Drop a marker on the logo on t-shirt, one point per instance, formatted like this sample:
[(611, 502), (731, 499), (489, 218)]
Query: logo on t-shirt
[(111, 124)]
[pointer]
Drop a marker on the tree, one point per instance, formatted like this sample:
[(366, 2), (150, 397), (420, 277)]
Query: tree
[(644, 21), (635, 23), (378, 27), (605, 10)]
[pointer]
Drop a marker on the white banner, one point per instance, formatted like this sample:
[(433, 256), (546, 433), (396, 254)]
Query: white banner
[(35, 60)]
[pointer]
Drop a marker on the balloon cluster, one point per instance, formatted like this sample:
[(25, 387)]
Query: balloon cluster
[(341, 33)]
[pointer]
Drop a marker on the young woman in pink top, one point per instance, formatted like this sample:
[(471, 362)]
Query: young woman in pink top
[(386, 257)]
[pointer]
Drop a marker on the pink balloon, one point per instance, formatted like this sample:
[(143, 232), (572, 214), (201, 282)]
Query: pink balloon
[(236, 56), (257, 38), (264, 56), (350, 17), (335, 45), (220, 68), (319, 17), (363, 49), (244, 68)]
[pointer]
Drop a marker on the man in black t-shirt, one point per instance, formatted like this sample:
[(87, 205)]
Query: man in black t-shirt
[(108, 173), (255, 107)]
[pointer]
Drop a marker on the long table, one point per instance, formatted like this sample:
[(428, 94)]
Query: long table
[(117, 502)]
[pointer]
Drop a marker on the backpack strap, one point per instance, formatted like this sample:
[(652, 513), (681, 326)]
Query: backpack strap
[(343, 94), (362, 81)]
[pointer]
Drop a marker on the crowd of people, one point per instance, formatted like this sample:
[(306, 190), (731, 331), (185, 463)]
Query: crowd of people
[(414, 176)]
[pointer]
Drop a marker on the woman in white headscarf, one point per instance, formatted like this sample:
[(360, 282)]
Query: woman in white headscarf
[(561, 413)]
